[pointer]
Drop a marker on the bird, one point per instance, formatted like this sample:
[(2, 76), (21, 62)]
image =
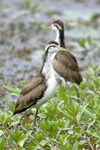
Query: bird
[(41, 87), (58, 26), (65, 64)]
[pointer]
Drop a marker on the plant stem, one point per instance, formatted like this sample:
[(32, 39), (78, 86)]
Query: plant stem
[(85, 135)]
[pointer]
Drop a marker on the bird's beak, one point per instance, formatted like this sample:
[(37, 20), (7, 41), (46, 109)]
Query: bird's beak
[(48, 28), (63, 49)]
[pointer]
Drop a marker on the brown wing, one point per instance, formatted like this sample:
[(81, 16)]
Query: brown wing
[(32, 83), (65, 64), (68, 60), (31, 92)]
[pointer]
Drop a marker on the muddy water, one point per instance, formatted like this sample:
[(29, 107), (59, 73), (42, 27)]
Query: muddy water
[(23, 36)]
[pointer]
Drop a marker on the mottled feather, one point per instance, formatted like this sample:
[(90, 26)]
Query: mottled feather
[(65, 64), (32, 91)]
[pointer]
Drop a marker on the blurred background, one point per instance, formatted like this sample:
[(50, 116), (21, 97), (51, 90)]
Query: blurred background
[(23, 36)]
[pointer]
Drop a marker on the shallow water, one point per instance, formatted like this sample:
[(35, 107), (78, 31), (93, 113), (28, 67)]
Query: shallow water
[(23, 36)]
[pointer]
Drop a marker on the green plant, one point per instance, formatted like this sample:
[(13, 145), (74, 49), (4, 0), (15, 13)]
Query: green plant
[(31, 5), (86, 43), (60, 125)]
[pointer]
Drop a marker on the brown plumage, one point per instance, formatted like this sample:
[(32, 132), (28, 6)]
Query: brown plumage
[(65, 64), (31, 92)]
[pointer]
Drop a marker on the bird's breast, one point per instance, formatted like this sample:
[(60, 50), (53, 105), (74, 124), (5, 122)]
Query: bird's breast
[(51, 85), (48, 94)]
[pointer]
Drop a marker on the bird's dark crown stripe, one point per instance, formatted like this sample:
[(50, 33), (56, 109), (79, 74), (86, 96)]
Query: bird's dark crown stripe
[(59, 22), (45, 57), (52, 42)]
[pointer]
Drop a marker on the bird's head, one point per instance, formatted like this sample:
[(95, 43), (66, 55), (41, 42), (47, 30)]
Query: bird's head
[(57, 25), (53, 46)]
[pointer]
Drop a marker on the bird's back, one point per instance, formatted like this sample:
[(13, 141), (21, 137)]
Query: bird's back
[(65, 64)]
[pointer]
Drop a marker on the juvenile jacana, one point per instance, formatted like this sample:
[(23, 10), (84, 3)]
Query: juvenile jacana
[(41, 88), (65, 64)]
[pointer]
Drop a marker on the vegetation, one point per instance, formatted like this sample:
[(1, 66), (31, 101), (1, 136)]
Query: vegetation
[(60, 125), (30, 5)]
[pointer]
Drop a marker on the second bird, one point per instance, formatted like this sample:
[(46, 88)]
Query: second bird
[(65, 64)]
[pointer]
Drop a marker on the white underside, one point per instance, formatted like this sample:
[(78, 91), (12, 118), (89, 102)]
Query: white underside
[(51, 86), (48, 71)]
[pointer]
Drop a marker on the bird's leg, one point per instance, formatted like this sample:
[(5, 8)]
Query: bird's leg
[(34, 123), (16, 126), (23, 115), (67, 88), (77, 93), (63, 82)]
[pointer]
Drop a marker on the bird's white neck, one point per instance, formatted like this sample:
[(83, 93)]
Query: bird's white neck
[(47, 68), (57, 36)]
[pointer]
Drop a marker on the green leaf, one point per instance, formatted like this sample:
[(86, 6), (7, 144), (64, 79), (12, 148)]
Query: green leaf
[(75, 146), (27, 3), (89, 95), (38, 136), (91, 123), (89, 39), (96, 134), (83, 84), (23, 138), (81, 42), (5, 99), (1, 132), (5, 83), (67, 114), (15, 94), (2, 143), (11, 107), (88, 113), (81, 111), (14, 90), (76, 86), (21, 148), (16, 121), (98, 68), (15, 135), (91, 70), (43, 142), (5, 117)]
